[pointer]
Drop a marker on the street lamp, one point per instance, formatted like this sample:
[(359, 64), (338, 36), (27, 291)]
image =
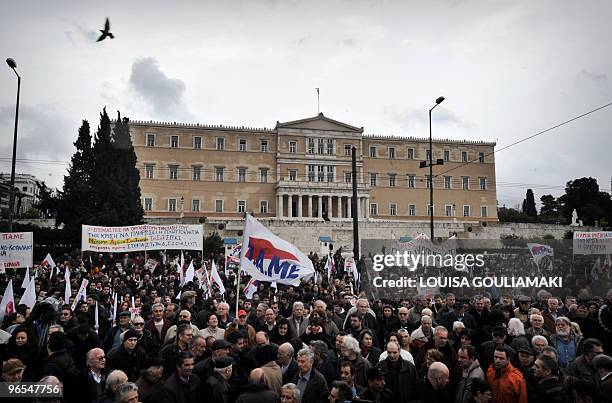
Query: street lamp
[(431, 164), (13, 65)]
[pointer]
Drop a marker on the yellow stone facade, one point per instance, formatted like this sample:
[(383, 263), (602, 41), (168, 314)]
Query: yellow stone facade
[(300, 170)]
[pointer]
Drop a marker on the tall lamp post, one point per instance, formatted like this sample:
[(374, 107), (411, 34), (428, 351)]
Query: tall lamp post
[(430, 163), (13, 65)]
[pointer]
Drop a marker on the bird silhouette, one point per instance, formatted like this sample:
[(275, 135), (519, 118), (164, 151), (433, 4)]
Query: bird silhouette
[(106, 32)]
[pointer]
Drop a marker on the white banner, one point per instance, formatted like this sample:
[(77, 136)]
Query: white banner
[(271, 259), (16, 249), (142, 237), (592, 243)]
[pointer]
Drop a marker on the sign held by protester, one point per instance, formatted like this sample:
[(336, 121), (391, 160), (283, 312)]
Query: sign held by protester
[(269, 258), (592, 243), (16, 249), (142, 237)]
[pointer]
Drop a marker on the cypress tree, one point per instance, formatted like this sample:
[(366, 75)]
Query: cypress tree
[(529, 206)]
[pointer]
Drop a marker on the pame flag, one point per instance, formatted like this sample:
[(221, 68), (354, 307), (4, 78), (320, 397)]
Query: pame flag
[(538, 251), (266, 257)]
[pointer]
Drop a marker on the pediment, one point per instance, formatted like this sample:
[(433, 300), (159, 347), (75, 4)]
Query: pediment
[(320, 122)]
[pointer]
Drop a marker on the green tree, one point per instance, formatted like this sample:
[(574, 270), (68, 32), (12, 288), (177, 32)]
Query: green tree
[(48, 203), (549, 212), (591, 205), (529, 207), (212, 246), (75, 202), (505, 214)]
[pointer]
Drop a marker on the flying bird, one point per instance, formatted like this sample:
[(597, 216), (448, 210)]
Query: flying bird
[(106, 32)]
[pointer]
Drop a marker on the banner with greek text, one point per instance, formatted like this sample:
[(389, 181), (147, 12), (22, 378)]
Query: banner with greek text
[(142, 237), (16, 249), (593, 243)]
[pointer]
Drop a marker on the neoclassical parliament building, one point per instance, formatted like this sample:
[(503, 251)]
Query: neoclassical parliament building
[(301, 170)]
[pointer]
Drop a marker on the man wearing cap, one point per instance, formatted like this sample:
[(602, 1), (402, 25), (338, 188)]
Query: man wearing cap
[(129, 357), (311, 383), (12, 370), (183, 386), (565, 341), (603, 365), (112, 339), (376, 390), (218, 388), (522, 311), (241, 325), (205, 368), (150, 382), (488, 348)]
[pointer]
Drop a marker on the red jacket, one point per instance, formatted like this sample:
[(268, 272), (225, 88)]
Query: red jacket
[(508, 387)]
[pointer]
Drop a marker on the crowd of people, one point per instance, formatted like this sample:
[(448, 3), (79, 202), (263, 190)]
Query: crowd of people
[(319, 342)]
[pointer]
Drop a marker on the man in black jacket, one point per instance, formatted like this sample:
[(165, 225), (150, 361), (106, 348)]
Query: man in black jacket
[(129, 357), (312, 385), (376, 390), (400, 375), (182, 386), (549, 389), (218, 389), (257, 391), (61, 365)]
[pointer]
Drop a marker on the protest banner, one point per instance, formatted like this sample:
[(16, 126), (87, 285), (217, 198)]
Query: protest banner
[(16, 249), (141, 237), (592, 243)]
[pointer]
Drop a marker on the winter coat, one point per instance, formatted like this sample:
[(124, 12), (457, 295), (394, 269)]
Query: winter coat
[(550, 391), (463, 393), (259, 393), (406, 380), (130, 362), (316, 390), (507, 385), (175, 390)]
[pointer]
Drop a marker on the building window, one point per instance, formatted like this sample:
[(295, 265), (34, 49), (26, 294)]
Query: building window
[(242, 145), (483, 211), (218, 206), (483, 183), (195, 205), (466, 211), (173, 172), (263, 175), (220, 143), (411, 181), (446, 155), (427, 154), (391, 153), (372, 151), (348, 176), (196, 173), (171, 204), (264, 146), (197, 143), (464, 156), (320, 146), (263, 206), (392, 180), (373, 209), (148, 204), (174, 141), (330, 173), (311, 173), (410, 154), (219, 174), (149, 171), (448, 210), (150, 140), (348, 150), (448, 180), (311, 146), (242, 172), (412, 210), (465, 182), (481, 157), (330, 147), (320, 173), (392, 209), (293, 175), (373, 177), (293, 147), (428, 181), (241, 206)]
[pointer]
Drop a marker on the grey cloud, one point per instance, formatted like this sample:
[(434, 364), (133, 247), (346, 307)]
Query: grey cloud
[(78, 32), (408, 118), (349, 42), (591, 76), (164, 94)]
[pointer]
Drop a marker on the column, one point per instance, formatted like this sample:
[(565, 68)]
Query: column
[(279, 206), (330, 212), (367, 207), (300, 196), (348, 207), (320, 212), (290, 206), (309, 206)]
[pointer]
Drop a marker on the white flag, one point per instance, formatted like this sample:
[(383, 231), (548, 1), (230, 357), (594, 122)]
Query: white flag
[(81, 294), (96, 317), (29, 296), (189, 275), (266, 257), (68, 289), (7, 306), (114, 314), (48, 262), (26, 279), (216, 279)]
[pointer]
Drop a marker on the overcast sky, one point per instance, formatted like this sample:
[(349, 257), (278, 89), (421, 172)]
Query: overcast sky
[(508, 69)]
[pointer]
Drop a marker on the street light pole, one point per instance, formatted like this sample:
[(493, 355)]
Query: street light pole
[(431, 205), (13, 65)]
